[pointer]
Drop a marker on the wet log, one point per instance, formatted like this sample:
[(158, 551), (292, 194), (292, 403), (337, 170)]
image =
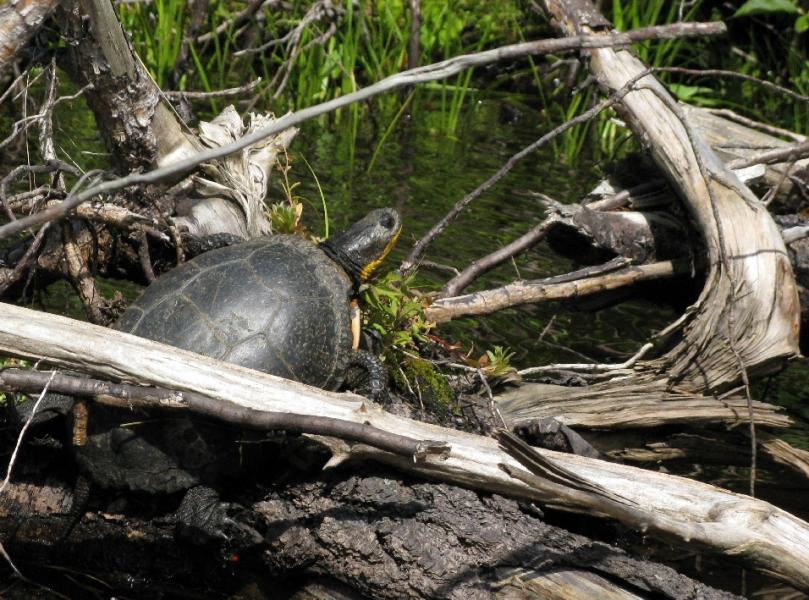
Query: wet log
[(751, 531), (379, 536)]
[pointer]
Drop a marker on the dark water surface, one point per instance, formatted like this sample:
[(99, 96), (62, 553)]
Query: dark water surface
[(423, 172)]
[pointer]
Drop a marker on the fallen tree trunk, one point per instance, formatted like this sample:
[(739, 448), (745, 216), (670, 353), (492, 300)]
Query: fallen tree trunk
[(748, 530), (381, 536), (583, 407)]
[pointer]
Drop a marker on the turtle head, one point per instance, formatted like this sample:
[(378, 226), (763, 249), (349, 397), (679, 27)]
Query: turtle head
[(360, 248)]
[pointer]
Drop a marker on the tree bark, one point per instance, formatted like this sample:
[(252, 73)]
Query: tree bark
[(19, 22), (381, 536)]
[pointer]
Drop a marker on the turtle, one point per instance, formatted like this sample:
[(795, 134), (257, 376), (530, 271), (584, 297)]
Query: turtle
[(279, 304)]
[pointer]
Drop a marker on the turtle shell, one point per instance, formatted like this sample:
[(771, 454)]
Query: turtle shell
[(277, 304)]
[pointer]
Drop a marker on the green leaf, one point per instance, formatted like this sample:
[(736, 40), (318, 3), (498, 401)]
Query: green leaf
[(758, 7), (689, 93), (802, 23)]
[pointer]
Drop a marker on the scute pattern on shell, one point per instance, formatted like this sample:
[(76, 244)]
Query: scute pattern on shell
[(277, 305)]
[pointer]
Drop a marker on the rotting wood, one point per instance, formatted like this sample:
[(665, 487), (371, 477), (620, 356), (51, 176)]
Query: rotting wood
[(751, 531), (380, 535)]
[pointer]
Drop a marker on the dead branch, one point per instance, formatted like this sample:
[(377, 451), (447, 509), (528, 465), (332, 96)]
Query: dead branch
[(733, 75), (225, 93), (489, 262), (9, 277), (237, 20), (686, 510), (433, 72), (525, 292), (792, 154), (128, 397)]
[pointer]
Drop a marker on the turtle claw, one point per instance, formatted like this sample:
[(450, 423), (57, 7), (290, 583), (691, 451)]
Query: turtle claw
[(202, 518), (367, 376)]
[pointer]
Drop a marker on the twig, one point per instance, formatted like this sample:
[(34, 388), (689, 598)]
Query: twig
[(134, 396), (779, 155), (765, 127), (433, 72), (49, 167), (413, 44), (48, 379), (489, 262), (239, 18), (24, 123), (12, 276), (496, 414), (722, 73), (411, 261), (226, 93), (628, 364)]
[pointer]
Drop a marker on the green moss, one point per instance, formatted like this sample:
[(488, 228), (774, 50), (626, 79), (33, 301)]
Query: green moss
[(427, 383)]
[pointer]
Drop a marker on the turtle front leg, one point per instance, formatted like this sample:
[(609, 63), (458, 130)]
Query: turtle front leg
[(202, 517), (367, 376)]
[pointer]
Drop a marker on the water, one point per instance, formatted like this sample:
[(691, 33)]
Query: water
[(423, 172)]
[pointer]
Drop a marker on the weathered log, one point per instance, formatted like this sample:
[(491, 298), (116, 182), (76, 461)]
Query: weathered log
[(379, 536), (594, 415), (19, 21), (691, 512), (587, 408), (139, 128)]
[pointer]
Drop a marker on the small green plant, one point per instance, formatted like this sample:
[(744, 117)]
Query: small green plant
[(285, 216), (495, 364), (395, 313), (499, 362)]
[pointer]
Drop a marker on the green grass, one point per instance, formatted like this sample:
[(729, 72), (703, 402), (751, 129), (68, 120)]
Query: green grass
[(371, 42)]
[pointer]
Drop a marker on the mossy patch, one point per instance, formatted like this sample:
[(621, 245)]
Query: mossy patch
[(426, 383)]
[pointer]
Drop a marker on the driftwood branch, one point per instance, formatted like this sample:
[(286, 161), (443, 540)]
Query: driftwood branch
[(685, 510), (524, 292), (127, 396)]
